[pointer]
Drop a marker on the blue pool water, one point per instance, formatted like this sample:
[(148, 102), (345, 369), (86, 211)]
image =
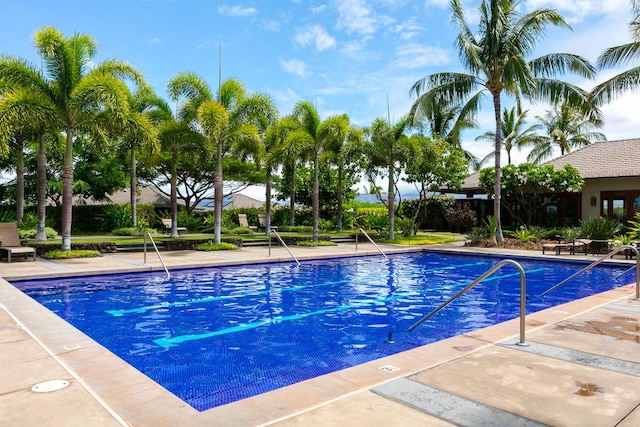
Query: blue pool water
[(216, 335)]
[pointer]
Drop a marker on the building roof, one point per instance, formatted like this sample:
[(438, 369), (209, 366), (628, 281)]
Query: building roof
[(605, 159)]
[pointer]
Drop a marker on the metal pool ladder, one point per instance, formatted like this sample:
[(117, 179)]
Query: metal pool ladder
[(157, 252), (372, 242), (283, 244), (599, 261), (523, 299)]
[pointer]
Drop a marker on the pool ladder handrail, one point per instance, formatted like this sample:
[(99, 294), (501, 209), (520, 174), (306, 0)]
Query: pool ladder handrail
[(283, 244), (157, 252), (523, 299), (372, 242), (599, 261)]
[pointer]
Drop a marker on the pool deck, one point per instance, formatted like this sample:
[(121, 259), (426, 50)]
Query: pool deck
[(581, 365)]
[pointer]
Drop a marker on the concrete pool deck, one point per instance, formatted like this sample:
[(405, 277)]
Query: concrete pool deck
[(581, 367)]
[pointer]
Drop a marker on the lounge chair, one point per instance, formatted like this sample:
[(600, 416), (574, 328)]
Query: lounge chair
[(242, 220), (167, 225), (262, 221), (10, 242)]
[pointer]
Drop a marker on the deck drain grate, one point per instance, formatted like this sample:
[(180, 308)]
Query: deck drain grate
[(389, 368), (47, 386), (72, 347)]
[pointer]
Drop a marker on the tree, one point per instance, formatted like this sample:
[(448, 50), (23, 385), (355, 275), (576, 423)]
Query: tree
[(496, 58), (621, 55), (343, 143), (82, 99), (532, 187), (436, 164), (515, 135), (388, 150), (567, 127)]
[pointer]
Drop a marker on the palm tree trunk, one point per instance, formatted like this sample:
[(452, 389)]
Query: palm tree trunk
[(41, 234), (67, 192), (315, 197), (218, 188), (497, 182), (391, 195), (19, 179), (133, 189), (174, 193), (267, 205), (339, 194), (292, 199)]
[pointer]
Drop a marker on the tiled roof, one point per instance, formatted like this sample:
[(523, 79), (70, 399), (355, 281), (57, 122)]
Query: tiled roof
[(606, 159)]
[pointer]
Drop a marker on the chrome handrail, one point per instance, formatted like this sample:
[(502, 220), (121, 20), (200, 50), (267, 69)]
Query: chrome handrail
[(283, 244), (523, 299), (599, 261), (157, 252), (372, 242)]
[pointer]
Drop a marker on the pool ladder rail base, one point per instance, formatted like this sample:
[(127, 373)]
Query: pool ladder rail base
[(157, 252)]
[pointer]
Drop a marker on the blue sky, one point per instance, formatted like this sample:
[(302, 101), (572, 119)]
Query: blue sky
[(346, 56)]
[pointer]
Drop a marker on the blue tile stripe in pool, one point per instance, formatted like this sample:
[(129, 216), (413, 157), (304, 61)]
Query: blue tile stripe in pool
[(216, 335)]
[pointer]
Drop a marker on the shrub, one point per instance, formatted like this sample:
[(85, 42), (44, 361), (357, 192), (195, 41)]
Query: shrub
[(524, 235), (115, 216), (74, 253), (296, 228), (311, 243), (477, 235), (600, 229), (216, 246), (30, 233), (461, 218), (241, 230)]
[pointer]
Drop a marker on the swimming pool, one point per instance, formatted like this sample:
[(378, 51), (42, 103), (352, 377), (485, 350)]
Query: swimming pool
[(213, 336)]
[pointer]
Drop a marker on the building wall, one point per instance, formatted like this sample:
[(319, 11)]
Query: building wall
[(594, 187)]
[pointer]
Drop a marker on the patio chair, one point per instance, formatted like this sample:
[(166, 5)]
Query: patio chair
[(242, 220), (167, 226), (10, 242), (262, 221)]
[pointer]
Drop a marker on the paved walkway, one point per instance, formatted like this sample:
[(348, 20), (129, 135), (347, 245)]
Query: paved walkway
[(581, 367)]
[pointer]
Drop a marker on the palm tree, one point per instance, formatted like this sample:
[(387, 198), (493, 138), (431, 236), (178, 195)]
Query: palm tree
[(388, 150), (619, 56), (142, 134), (566, 127), (496, 58), (307, 135), (447, 122), (515, 135), (81, 99), (344, 144)]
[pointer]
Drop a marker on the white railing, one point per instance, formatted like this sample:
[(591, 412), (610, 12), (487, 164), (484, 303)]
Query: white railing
[(157, 252), (283, 244), (372, 242)]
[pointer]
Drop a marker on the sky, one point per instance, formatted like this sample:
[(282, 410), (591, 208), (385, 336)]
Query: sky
[(358, 57)]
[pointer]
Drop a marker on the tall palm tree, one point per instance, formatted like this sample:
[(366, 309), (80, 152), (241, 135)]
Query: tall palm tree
[(26, 106), (566, 128), (307, 133), (388, 151), (496, 57), (620, 56), (82, 99), (515, 134), (344, 144), (141, 133), (447, 122)]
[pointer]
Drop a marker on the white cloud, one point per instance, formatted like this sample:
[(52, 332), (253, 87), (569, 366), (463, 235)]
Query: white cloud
[(356, 17), (237, 10), (316, 35), (418, 56), (408, 29), (295, 66), (578, 10), (271, 26)]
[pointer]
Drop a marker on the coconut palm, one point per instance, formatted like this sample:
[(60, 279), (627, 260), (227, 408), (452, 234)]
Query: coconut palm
[(26, 107), (388, 149), (515, 134), (566, 128), (447, 122), (496, 58), (82, 100), (344, 144), (620, 56)]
